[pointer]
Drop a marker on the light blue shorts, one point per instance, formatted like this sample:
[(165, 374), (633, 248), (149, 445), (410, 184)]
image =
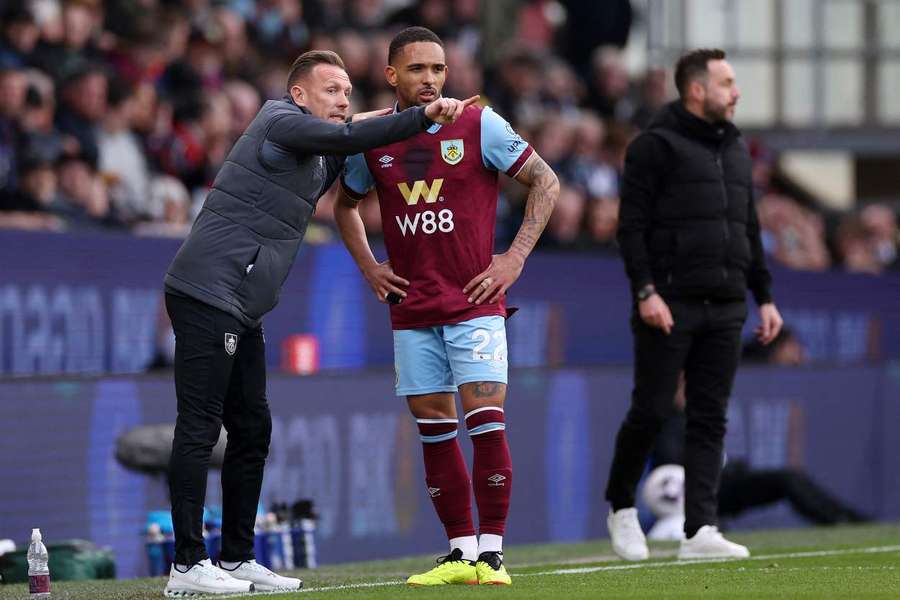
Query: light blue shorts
[(441, 358)]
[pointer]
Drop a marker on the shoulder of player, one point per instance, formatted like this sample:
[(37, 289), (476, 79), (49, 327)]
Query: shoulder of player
[(470, 118)]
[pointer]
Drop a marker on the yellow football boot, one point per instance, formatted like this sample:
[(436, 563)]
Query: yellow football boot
[(450, 570), (490, 569)]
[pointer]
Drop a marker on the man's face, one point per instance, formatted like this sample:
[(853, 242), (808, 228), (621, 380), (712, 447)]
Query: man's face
[(418, 73), (325, 92), (720, 93)]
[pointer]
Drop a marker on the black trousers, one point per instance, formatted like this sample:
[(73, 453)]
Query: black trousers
[(220, 378), (705, 343)]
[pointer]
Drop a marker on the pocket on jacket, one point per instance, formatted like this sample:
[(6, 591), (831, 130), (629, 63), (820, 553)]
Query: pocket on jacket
[(739, 254), (258, 293)]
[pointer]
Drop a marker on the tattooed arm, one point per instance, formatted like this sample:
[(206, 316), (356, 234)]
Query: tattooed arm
[(505, 268)]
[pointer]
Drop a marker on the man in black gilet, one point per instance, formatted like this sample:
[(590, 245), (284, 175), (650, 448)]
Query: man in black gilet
[(226, 276), (690, 239)]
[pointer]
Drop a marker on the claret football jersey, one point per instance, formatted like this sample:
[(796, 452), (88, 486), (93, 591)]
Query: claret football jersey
[(437, 192)]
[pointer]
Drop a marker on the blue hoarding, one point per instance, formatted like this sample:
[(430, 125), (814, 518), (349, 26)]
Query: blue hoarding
[(349, 444)]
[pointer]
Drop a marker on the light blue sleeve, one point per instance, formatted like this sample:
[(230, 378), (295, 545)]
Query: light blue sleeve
[(501, 146), (357, 178)]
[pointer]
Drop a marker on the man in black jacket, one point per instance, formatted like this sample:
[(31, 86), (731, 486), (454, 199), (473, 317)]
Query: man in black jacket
[(226, 276), (689, 236)]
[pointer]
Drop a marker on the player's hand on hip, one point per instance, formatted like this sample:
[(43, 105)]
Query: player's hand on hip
[(770, 323), (384, 281), (368, 115), (655, 312), (492, 283), (448, 110)]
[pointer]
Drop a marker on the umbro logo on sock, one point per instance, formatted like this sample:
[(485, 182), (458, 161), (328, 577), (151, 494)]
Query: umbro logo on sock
[(496, 480), (434, 492)]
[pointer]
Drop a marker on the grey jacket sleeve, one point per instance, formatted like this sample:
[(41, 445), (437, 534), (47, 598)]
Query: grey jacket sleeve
[(306, 134)]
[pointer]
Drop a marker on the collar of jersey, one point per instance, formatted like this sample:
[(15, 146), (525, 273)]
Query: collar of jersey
[(432, 130)]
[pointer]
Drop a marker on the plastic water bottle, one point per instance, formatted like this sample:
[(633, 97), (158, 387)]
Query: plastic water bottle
[(38, 569), (155, 550), (303, 531)]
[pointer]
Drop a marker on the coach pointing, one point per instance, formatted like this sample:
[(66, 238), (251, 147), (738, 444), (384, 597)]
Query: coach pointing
[(225, 277), (690, 240)]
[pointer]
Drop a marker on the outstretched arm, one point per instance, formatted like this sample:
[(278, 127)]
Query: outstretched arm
[(505, 268), (307, 134)]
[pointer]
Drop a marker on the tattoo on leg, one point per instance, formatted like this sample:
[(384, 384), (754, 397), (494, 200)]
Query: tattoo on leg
[(486, 389)]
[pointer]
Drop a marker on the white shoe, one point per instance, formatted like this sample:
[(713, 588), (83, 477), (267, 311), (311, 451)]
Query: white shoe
[(204, 578), (628, 540), (264, 579), (709, 543)]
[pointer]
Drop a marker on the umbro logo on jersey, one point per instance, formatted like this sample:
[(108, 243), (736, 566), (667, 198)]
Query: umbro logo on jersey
[(434, 492), (386, 161), (496, 480)]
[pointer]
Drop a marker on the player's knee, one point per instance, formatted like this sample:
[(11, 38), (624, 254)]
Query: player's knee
[(483, 393), (436, 430), (485, 420)]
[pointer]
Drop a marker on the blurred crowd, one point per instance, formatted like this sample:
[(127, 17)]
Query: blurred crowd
[(116, 115)]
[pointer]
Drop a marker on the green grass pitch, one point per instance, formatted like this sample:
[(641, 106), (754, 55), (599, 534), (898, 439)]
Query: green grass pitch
[(814, 563)]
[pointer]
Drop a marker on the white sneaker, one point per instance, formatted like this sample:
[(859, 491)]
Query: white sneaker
[(264, 579), (204, 578), (709, 543), (628, 540)]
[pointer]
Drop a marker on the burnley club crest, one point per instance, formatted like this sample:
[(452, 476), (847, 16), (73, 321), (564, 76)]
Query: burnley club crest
[(230, 343), (452, 151)]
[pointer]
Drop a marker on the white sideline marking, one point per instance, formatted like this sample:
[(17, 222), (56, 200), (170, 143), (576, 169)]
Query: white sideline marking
[(582, 570), (648, 565), (700, 561)]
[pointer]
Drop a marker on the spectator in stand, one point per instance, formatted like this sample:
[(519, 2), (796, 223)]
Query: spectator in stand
[(561, 91), (610, 85), (881, 223), (794, 236), (13, 90), (121, 156), (245, 103), (603, 220), (28, 207), (20, 36), (565, 228), (84, 92), (278, 27), (41, 143), (83, 202), (171, 205), (653, 94), (515, 87), (205, 55), (856, 247), (467, 79), (237, 53), (555, 139), (183, 152), (197, 72), (586, 167), (80, 41)]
